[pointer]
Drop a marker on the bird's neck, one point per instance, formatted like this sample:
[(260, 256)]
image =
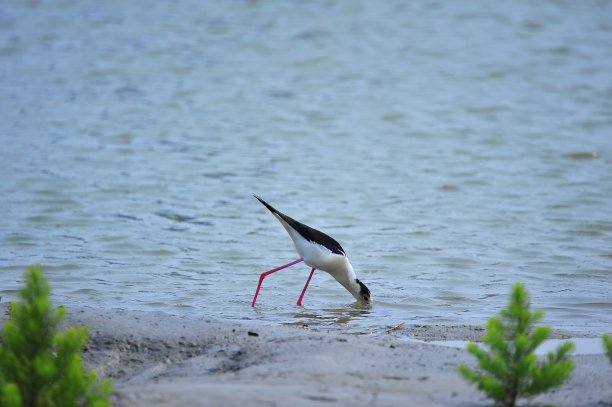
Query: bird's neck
[(355, 289), (349, 280)]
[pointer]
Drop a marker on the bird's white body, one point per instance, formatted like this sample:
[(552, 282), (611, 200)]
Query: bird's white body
[(321, 258)]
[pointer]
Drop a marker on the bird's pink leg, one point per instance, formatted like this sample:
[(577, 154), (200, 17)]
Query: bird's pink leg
[(263, 275), (299, 303)]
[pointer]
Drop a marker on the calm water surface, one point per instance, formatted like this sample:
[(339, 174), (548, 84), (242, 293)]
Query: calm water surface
[(452, 148)]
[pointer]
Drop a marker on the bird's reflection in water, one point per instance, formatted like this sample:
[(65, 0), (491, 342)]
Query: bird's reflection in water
[(328, 318)]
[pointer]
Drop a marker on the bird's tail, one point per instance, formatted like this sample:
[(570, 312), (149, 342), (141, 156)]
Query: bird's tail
[(267, 205)]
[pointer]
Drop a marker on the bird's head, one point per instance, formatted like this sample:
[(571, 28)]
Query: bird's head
[(363, 295)]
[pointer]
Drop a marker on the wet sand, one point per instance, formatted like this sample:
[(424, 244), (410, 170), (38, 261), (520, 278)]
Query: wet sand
[(157, 359)]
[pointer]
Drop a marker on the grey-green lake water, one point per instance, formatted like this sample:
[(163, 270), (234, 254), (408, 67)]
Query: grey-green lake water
[(452, 148)]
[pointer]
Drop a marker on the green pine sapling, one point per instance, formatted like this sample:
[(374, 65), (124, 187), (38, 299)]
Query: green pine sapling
[(509, 368), (39, 366), (607, 342)]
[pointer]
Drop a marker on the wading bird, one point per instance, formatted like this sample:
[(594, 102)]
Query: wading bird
[(318, 251)]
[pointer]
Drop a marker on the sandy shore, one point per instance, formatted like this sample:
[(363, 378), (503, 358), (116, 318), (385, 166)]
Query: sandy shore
[(156, 359)]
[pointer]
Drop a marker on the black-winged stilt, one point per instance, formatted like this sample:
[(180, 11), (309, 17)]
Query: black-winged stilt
[(318, 251)]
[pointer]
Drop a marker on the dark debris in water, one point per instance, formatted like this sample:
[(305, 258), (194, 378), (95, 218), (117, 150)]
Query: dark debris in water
[(177, 217), (128, 217), (174, 216), (582, 155)]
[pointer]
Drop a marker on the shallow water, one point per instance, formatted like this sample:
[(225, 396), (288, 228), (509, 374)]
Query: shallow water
[(582, 346), (451, 148)]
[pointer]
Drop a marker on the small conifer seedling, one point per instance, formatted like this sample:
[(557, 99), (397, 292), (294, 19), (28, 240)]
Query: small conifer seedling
[(607, 342), (509, 369), (40, 366)]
